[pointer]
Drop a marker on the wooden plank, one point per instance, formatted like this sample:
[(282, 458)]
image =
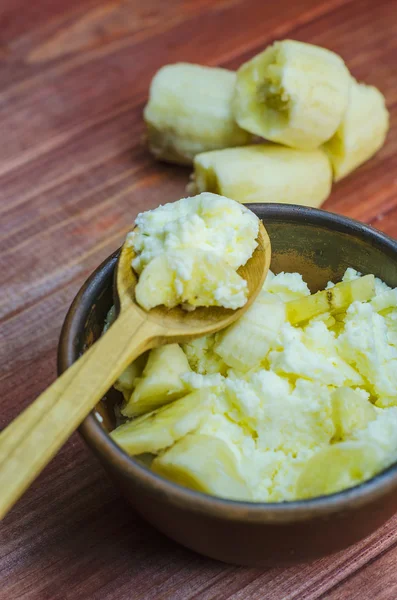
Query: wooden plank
[(73, 174), (44, 34), (75, 93), (376, 579), (18, 17)]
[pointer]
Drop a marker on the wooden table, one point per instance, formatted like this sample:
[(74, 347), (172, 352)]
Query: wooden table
[(74, 173)]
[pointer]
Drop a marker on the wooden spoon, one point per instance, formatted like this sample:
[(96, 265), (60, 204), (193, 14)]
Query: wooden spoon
[(33, 438)]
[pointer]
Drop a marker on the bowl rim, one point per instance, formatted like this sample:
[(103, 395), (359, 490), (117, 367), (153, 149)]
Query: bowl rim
[(236, 510)]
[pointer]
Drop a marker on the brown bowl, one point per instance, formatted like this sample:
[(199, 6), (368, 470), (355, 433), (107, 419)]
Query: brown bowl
[(319, 245)]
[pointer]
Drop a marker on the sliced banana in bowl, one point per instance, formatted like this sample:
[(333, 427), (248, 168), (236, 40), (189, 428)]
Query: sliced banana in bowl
[(203, 463), (159, 429)]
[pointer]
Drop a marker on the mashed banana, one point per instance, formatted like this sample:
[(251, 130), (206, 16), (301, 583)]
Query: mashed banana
[(281, 412)]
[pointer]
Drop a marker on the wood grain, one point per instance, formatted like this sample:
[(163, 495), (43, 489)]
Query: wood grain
[(74, 172)]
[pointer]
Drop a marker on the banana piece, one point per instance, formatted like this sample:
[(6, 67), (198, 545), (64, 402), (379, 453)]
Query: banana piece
[(351, 411), (127, 380), (205, 464), (161, 381), (333, 300), (245, 344), (362, 131), (192, 278), (337, 467), (189, 111), (161, 428), (264, 173), (292, 93)]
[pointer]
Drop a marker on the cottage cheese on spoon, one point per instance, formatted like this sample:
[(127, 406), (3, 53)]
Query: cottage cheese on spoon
[(188, 252)]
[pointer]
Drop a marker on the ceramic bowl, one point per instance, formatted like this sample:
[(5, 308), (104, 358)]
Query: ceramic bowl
[(320, 246)]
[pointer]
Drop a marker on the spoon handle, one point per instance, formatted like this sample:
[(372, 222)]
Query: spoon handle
[(32, 439)]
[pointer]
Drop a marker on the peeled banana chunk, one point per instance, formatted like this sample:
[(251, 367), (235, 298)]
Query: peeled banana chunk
[(161, 428), (338, 467), (189, 111), (333, 300), (127, 380), (264, 173), (205, 464), (292, 93), (245, 343), (362, 131), (160, 382)]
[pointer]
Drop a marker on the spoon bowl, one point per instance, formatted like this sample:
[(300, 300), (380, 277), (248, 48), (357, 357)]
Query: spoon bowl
[(181, 324)]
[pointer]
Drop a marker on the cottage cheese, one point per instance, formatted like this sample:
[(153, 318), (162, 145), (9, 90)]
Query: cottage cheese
[(316, 411), (188, 252), (279, 415)]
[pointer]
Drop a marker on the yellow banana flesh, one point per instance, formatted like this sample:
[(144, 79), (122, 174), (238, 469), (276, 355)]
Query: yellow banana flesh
[(160, 382), (362, 131), (161, 428), (292, 93), (337, 467), (333, 300), (189, 111), (205, 464), (264, 173)]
